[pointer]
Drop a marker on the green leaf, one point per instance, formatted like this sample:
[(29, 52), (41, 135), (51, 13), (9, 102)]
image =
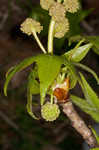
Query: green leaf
[(97, 137), (88, 70), (82, 103), (48, 69), (33, 83), (95, 41), (75, 19), (32, 88), (86, 107), (75, 28), (77, 54), (94, 149), (25, 63), (71, 73), (89, 93), (92, 39)]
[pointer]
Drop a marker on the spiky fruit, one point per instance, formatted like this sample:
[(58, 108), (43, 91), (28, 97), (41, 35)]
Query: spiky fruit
[(50, 112)]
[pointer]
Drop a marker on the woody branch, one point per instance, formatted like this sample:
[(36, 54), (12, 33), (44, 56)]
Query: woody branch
[(79, 124)]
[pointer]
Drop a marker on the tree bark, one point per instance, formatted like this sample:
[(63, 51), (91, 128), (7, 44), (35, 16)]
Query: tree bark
[(79, 124)]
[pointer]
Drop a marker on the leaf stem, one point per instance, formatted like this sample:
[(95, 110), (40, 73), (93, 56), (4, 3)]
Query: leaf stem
[(51, 36), (39, 42), (80, 42), (52, 98)]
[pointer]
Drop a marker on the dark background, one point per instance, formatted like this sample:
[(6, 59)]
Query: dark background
[(18, 131)]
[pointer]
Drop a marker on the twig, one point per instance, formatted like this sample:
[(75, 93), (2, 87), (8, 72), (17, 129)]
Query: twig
[(79, 124)]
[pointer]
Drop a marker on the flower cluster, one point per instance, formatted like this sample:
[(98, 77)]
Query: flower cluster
[(30, 25), (61, 28), (46, 4), (71, 5), (58, 13), (50, 112)]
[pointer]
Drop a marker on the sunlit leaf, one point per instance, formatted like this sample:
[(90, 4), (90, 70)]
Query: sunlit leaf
[(77, 54), (92, 39), (48, 69)]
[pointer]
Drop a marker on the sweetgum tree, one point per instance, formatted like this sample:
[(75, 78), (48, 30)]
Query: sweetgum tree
[(56, 75)]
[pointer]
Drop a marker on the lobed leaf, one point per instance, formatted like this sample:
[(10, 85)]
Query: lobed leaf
[(48, 69)]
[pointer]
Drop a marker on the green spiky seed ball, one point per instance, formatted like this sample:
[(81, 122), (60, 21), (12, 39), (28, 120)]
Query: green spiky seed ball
[(50, 112)]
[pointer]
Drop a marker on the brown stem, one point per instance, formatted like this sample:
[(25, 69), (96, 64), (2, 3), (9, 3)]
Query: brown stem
[(79, 124)]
